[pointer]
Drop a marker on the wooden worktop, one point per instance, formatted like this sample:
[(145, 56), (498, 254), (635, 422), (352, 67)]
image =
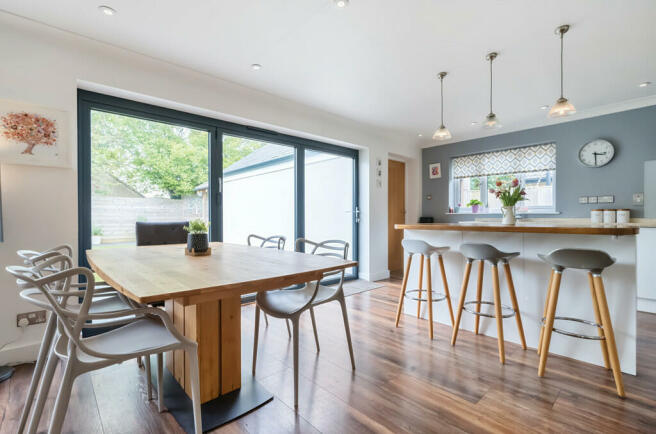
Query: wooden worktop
[(532, 227)]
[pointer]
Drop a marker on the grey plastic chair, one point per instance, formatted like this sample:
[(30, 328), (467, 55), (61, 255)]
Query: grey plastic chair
[(272, 242), (291, 303), (485, 252), (142, 332), (419, 247), (106, 299), (594, 262)]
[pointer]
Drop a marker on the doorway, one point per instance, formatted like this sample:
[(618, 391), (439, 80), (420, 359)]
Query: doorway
[(395, 215)]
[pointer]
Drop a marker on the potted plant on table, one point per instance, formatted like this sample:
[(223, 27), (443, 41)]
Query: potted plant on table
[(197, 238), (474, 204), (509, 193)]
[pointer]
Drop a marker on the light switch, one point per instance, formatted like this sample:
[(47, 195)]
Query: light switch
[(638, 198), (606, 199), (583, 199), (592, 199)]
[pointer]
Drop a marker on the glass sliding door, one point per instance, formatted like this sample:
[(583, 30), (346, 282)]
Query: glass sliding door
[(142, 170), (258, 190), (330, 206)]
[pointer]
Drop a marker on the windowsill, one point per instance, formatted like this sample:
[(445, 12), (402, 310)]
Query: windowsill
[(498, 213)]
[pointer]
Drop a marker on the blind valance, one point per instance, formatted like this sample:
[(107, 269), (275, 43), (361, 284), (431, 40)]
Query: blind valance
[(511, 161)]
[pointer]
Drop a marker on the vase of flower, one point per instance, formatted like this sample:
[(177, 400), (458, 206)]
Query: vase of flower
[(509, 193)]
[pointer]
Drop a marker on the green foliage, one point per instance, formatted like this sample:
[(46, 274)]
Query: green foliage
[(474, 202), (97, 231), (197, 227), (236, 148), (475, 183)]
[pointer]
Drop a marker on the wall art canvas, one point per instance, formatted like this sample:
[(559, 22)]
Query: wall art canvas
[(35, 135), (435, 170)]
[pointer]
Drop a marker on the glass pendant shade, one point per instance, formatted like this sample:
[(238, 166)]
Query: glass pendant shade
[(491, 121), (442, 133), (562, 108)]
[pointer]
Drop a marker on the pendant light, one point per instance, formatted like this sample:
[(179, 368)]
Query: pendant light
[(491, 120), (442, 132), (562, 107)]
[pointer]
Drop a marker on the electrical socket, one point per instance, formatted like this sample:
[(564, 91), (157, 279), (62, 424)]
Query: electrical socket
[(592, 199), (36, 317), (638, 198), (606, 199), (583, 199)]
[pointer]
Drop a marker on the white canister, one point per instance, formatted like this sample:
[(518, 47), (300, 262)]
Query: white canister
[(597, 216), (623, 216), (610, 216)]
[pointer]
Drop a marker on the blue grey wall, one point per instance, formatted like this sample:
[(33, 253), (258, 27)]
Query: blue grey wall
[(633, 133)]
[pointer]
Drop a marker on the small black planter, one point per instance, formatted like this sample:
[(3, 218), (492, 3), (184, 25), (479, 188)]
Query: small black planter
[(198, 242)]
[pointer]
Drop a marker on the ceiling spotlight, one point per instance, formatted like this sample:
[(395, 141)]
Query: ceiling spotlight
[(473, 123), (341, 3), (644, 84), (420, 135), (107, 10), (256, 66), (544, 107)]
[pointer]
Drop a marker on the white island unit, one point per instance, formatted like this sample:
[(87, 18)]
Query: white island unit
[(531, 277)]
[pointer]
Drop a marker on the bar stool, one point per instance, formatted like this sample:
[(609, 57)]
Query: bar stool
[(482, 253), (425, 250), (594, 261)]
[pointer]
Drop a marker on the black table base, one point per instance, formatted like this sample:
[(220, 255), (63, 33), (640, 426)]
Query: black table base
[(215, 413)]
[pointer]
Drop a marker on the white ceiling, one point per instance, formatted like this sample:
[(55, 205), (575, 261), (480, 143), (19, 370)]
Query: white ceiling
[(376, 60)]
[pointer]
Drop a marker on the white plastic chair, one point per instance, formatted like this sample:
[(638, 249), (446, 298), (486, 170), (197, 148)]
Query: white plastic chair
[(142, 331)]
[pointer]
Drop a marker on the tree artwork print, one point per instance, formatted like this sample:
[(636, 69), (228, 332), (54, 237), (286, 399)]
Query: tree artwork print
[(30, 129)]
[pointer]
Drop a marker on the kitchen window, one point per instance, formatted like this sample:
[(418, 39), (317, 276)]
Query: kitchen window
[(534, 166)]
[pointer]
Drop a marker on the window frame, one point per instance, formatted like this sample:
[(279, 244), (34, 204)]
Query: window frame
[(88, 101), (454, 197)]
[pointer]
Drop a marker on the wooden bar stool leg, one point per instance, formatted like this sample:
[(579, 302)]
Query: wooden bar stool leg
[(544, 313), (421, 285), (548, 323), (515, 305), (497, 312), (445, 283), (461, 302), (403, 287), (609, 333), (479, 293), (600, 331), (430, 297)]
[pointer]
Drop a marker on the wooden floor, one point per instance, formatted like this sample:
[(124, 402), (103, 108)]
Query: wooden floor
[(403, 383)]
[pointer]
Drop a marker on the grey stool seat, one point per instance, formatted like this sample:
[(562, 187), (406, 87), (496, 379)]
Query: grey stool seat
[(594, 262), (420, 247), (487, 253)]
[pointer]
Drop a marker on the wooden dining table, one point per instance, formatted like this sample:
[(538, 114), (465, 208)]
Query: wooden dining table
[(202, 294)]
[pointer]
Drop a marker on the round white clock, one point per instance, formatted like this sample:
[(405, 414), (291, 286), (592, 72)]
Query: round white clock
[(597, 153)]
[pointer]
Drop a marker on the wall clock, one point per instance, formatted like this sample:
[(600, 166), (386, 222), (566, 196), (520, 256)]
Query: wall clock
[(596, 153)]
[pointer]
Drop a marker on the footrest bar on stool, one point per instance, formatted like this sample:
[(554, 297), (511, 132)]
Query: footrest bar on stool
[(436, 296), (489, 315), (577, 335)]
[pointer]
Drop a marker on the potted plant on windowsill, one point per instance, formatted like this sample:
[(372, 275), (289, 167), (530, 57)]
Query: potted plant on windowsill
[(509, 193), (474, 204), (96, 235), (197, 238)]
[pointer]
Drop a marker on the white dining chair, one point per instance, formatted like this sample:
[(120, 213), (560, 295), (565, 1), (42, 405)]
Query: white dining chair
[(141, 331), (272, 242)]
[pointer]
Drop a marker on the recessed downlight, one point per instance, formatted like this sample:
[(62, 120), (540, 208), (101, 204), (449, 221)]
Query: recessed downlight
[(644, 84), (256, 66), (473, 123), (544, 107), (107, 10), (420, 135), (341, 3)]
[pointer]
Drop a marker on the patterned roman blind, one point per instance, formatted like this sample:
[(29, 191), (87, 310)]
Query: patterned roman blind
[(517, 160)]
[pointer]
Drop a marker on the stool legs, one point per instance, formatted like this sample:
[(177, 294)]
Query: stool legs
[(445, 283), (421, 285), (404, 285), (549, 320), (430, 298), (544, 313), (609, 334), (461, 302), (479, 293), (497, 312), (600, 331), (515, 305)]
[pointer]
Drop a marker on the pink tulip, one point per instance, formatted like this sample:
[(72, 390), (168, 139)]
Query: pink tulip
[(499, 183), (491, 190), (515, 182), (523, 193)]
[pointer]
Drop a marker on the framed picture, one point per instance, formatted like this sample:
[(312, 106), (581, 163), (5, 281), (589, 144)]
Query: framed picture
[(34, 135), (434, 170)]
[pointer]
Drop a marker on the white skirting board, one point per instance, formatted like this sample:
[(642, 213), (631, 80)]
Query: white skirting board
[(531, 277)]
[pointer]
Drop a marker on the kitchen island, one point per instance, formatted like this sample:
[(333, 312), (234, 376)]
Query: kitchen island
[(531, 277)]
